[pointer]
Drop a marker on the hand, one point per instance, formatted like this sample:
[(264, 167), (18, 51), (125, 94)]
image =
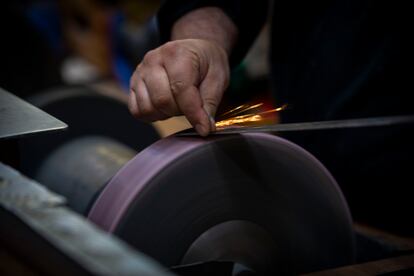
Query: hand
[(182, 77)]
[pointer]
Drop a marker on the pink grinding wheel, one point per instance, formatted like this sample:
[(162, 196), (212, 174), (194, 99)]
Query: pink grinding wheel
[(168, 200)]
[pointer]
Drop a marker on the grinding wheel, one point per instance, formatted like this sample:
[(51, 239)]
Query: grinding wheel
[(87, 113), (253, 199), (80, 168), (78, 162)]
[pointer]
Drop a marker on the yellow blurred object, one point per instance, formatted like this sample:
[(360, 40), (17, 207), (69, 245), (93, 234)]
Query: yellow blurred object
[(87, 27), (171, 125)]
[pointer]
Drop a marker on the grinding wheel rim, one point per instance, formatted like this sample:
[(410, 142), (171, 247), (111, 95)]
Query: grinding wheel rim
[(133, 185)]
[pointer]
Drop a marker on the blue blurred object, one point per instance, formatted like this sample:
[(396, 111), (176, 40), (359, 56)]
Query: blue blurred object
[(44, 17), (121, 67), (129, 45)]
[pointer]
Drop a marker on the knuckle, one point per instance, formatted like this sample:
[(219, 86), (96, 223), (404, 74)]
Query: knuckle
[(177, 87), (146, 110), (132, 83), (134, 111), (151, 57), (176, 50), (136, 75), (212, 102), (170, 48), (221, 80), (162, 101)]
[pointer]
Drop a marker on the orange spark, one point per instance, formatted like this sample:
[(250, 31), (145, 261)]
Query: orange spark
[(240, 109), (255, 118), (239, 120)]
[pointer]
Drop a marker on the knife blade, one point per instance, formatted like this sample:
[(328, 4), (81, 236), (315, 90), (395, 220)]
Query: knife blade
[(308, 126)]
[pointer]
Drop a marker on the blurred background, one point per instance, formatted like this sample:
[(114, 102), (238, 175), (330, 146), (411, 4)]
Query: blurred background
[(48, 43), (73, 59), (54, 43)]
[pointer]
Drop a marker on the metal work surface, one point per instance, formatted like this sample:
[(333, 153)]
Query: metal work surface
[(181, 199), (18, 117), (94, 252)]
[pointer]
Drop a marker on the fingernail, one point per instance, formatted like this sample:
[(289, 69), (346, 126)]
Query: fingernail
[(201, 130)]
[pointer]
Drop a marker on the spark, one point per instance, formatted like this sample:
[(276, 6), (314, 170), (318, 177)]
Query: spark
[(239, 120), (233, 110), (283, 107), (240, 109), (261, 117)]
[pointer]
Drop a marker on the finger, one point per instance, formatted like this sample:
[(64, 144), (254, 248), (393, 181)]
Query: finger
[(191, 105), (132, 104), (158, 86), (183, 79), (147, 111), (211, 90), (132, 100)]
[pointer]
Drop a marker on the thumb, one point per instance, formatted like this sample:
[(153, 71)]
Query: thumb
[(211, 95)]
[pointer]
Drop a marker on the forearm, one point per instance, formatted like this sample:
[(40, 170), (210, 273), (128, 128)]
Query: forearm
[(209, 23)]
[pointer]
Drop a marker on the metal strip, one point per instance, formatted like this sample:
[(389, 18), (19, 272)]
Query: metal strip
[(306, 126), (45, 214)]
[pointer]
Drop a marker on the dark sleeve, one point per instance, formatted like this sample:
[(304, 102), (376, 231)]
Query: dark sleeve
[(248, 16)]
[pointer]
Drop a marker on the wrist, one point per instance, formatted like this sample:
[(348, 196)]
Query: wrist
[(208, 23)]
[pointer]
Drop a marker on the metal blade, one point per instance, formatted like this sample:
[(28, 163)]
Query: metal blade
[(18, 118), (306, 126)]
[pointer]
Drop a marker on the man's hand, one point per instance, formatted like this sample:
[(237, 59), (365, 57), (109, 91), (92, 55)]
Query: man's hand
[(186, 76)]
